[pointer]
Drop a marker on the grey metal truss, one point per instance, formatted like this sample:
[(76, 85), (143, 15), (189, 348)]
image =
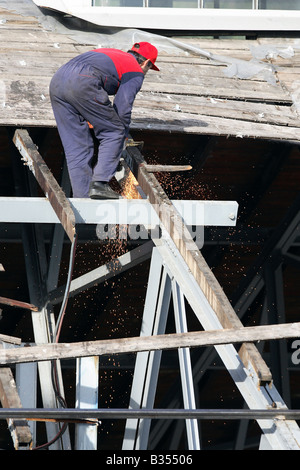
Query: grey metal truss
[(169, 277), (278, 435), (255, 393)]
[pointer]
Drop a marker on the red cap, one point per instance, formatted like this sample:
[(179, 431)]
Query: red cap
[(146, 50)]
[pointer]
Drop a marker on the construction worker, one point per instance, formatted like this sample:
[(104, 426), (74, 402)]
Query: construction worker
[(79, 93)]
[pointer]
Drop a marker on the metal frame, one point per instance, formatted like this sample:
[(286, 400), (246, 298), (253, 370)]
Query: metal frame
[(170, 276), (40, 278), (118, 212), (201, 4)]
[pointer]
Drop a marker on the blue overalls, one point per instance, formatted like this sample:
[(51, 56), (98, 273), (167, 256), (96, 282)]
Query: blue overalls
[(79, 93)]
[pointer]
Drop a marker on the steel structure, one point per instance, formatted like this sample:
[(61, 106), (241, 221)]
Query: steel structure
[(178, 275)]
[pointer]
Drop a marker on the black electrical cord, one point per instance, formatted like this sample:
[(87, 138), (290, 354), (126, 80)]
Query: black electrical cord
[(54, 376)]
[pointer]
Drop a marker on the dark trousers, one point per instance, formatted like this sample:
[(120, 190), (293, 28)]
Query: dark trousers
[(77, 97)]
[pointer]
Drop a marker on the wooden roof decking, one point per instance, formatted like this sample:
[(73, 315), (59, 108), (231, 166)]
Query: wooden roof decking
[(191, 93)]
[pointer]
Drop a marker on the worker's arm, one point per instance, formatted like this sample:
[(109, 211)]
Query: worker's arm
[(124, 99)]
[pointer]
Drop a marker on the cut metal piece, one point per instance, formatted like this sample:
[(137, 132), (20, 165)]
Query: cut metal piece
[(121, 211)]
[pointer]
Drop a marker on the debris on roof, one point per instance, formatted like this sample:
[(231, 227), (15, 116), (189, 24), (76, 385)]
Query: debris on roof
[(229, 87)]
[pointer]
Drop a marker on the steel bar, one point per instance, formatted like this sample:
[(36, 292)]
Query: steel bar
[(257, 394), (113, 268), (185, 366), (167, 168), (120, 211), (9, 398), (18, 303), (46, 181), (193, 339), (10, 339), (147, 363), (69, 414)]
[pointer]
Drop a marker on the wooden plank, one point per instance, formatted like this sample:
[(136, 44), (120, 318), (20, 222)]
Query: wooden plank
[(18, 303), (46, 180), (39, 36), (193, 339), (10, 339), (24, 84), (220, 44), (231, 88)]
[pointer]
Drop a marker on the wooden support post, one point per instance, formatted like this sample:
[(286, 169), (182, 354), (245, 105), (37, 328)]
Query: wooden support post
[(46, 180), (189, 251), (9, 398), (193, 339)]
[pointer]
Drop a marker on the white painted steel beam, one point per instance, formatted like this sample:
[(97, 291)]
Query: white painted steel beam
[(279, 435), (198, 19), (122, 211), (87, 383)]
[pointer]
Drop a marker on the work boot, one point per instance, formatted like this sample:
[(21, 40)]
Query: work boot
[(99, 190)]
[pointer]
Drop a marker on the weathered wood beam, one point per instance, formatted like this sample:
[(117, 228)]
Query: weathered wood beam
[(91, 416), (46, 180), (98, 275), (18, 303), (54, 351), (9, 398), (191, 255)]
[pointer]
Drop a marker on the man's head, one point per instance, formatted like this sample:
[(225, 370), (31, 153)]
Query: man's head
[(146, 55)]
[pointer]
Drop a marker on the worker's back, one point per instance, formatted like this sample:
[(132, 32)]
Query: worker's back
[(111, 66)]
